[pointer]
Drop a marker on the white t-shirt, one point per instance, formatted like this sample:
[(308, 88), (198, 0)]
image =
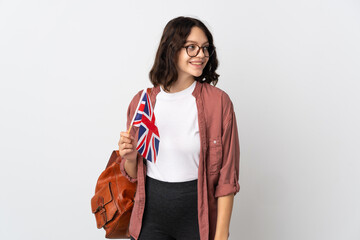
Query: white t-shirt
[(176, 117)]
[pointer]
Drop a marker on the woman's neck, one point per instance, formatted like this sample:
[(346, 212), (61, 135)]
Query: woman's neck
[(181, 84)]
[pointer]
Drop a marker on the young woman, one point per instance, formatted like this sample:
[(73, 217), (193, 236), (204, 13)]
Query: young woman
[(188, 192)]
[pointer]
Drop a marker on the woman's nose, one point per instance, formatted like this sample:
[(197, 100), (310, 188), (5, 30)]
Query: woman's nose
[(201, 53)]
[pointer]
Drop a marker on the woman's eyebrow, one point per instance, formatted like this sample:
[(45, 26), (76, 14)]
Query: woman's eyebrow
[(196, 42)]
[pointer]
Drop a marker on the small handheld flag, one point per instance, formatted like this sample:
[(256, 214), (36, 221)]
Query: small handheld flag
[(144, 118)]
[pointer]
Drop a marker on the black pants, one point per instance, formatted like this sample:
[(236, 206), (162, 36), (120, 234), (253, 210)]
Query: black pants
[(170, 211)]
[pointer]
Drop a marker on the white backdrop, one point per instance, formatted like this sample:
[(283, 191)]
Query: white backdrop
[(68, 70)]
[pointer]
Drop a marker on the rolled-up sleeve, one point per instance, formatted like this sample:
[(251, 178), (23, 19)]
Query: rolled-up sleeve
[(229, 172), (124, 173)]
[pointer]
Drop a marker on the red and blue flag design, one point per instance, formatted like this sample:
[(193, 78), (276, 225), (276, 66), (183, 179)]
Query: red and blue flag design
[(149, 138)]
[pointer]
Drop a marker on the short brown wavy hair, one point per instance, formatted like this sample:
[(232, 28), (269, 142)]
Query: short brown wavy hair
[(173, 39)]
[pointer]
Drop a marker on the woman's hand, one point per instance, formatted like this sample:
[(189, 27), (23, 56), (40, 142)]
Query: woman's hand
[(127, 147)]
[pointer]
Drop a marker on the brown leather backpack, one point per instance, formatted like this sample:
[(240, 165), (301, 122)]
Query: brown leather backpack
[(113, 201)]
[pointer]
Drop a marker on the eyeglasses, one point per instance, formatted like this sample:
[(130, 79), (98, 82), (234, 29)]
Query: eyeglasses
[(193, 50)]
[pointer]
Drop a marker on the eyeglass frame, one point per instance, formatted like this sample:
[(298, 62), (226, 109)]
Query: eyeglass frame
[(198, 51)]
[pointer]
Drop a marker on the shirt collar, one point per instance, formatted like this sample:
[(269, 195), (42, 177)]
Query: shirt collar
[(195, 93)]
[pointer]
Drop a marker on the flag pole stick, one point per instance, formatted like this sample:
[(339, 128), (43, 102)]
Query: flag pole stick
[(129, 129)]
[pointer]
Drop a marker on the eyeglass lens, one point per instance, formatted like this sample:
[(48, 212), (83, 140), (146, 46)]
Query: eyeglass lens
[(193, 50)]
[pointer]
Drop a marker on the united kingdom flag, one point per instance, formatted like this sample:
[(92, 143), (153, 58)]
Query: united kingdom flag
[(149, 138)]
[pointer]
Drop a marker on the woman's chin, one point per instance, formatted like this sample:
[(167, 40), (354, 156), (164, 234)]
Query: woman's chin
[(197, 74)]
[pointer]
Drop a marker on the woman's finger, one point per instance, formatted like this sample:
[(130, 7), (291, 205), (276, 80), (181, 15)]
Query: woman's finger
[(126, 146), (124, 152), (125, 138), (125, 134)]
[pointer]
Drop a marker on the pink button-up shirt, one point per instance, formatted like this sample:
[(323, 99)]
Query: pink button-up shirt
[(218, 173)]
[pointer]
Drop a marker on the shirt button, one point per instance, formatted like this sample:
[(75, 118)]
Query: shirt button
[(215, 141)]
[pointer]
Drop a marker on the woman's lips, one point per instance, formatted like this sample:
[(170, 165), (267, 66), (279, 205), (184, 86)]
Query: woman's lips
[(196, 64)]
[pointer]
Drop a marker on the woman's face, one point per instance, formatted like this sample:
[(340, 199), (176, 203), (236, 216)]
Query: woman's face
[(193, 66)]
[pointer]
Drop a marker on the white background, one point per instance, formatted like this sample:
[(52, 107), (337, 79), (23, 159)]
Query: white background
[(68, 70)]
